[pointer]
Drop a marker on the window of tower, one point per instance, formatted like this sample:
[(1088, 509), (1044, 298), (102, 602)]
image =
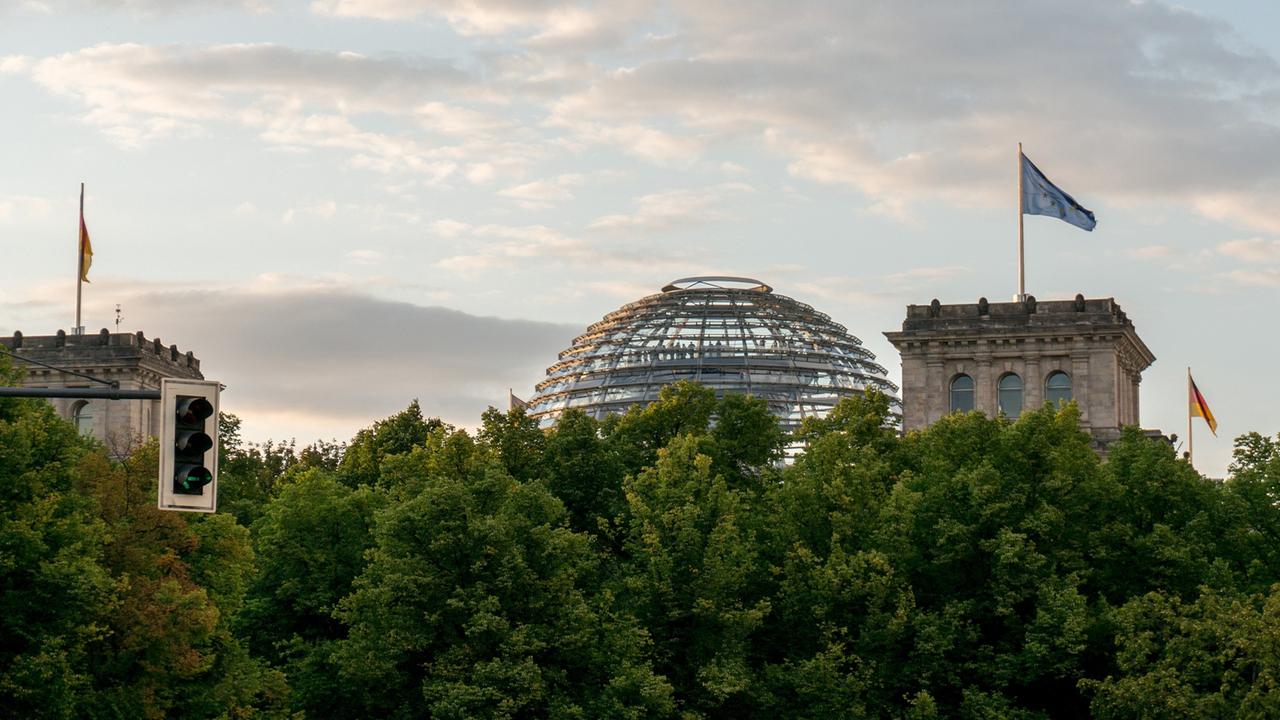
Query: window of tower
[(962, 393), (82, 417), (1057, 388), (1010, 395)]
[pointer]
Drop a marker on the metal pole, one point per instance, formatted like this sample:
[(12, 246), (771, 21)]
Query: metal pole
[(1022, 270), (79, 260), (80, 393), (1190, 443)]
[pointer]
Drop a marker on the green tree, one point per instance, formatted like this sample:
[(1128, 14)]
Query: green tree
[(475, 604), (1217, 656), (681, 409), (584, 473), (311, 544), (1253, 499), (395, 435), (181, 579), (249, 474), (693, 578), (55, 595), (517, 440)]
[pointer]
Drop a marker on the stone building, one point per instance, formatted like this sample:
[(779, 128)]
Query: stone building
[(132, 360), (1003, 357)]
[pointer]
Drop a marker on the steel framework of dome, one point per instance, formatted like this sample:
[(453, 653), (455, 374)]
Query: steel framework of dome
[(731, 334)]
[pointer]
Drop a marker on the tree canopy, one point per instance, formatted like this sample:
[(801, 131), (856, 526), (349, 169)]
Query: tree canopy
[(684, 560)]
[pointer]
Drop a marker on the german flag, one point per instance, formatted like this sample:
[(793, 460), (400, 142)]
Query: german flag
[(86, 248), (1200, 408)]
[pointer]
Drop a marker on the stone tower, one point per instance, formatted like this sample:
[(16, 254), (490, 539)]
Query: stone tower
[(132, 360), (1003, 357)]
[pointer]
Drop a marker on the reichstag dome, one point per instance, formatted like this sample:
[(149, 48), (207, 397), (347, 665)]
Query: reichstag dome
[(731, 334)]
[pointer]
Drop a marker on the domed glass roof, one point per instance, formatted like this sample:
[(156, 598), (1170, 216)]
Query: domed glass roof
[(731, 334)]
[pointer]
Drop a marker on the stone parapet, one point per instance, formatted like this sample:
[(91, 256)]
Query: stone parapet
[(131, 360)]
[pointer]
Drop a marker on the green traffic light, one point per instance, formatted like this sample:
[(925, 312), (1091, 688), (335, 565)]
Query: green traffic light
[(191, 479)]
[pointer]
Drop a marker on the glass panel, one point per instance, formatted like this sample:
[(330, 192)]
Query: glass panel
[(1011, 395), (1057, 388), (962, 394)]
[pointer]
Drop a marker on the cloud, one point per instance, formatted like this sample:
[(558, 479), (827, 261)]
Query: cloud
[(14, 64), (550, 21), (906, 103), (665, 211), (147, 7), (1263, 277), (1254, 250), (322, 358), (365, 256), (324, 210), (494, 246), (912, 101), (449, 228), (544, 193), (137, 93), (1151, 252), (23, 207)]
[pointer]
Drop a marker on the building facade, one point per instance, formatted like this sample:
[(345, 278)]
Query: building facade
[(1004, 357), (132, 360)]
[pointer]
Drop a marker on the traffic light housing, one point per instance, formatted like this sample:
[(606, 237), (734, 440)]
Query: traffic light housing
[(188, 445)]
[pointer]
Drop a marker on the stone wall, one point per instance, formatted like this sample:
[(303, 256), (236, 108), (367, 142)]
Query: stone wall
[(131, 359)]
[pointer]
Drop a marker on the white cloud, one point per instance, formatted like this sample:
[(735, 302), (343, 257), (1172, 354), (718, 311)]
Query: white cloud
[(323, 210), (137, 93), (493, 246), (1150, 252), (365, 256), (903, 102), (480, 173), (1263, 277), (449, 228), (544, 193), (23, 207), (660, 212), (14, 64), (547, 21), (1255, 250)]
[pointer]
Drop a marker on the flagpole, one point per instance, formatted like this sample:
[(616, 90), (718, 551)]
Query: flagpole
[(79, 260), (1022, 271), (1189, 440)]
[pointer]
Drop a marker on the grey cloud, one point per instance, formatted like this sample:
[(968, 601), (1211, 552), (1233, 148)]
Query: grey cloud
[(181, 71), (909, 98), (146, 6), (339, 354)]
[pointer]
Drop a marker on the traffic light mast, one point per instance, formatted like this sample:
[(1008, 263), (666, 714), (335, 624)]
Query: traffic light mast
[(188, 445)]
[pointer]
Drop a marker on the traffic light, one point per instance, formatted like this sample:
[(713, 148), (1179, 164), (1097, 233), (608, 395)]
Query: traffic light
[(188, 445)]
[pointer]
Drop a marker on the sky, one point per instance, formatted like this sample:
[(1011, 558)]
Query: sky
[(342, 205)]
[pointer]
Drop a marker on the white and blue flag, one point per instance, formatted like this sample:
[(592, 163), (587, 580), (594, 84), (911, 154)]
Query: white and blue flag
[(1041, 197)]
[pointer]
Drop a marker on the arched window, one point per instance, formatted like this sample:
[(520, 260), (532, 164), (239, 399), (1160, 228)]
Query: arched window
[(1011, 395), (1057, 388), (82, 417), (962, 393)]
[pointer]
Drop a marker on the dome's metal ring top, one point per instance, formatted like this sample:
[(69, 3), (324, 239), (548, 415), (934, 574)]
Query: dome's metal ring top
[(722, 282), (730, 334)]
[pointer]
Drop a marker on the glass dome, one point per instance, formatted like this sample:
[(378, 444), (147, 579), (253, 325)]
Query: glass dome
[(733, 335)]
